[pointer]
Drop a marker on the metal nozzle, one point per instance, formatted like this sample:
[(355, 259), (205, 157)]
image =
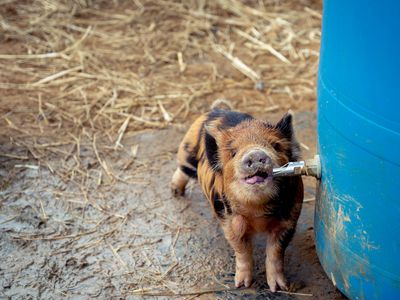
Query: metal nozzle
[(290, 169), (310, 167)]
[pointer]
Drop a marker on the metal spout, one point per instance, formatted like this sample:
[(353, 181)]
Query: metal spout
[(310, 167)]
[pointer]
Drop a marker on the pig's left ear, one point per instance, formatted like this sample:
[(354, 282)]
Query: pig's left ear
[(213, 131), (212, 141), (285, 125)]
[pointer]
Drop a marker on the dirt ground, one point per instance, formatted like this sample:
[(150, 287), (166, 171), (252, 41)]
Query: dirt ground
[(56, 244), (95, 97)]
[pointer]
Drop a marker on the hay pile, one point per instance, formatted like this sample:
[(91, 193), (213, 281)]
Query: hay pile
[(81, 70), (78, 78)]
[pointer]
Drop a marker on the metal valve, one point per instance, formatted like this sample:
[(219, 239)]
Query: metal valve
[(310, 167)]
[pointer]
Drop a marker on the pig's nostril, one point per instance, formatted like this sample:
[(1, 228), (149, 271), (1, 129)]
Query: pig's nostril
[(255, 160)]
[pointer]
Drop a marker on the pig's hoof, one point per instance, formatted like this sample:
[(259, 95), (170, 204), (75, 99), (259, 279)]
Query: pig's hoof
[(177, 191), (277, 280), (243, 278)]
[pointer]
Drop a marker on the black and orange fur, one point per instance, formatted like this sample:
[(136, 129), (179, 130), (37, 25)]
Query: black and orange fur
[(211, 151)]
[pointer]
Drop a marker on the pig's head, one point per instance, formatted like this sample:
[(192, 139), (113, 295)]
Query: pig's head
[(247, 153)]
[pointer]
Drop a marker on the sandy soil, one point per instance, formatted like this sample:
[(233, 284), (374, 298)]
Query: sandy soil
[(123, 239)]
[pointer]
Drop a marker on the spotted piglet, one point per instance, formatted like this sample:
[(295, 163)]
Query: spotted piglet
[(232, 156)]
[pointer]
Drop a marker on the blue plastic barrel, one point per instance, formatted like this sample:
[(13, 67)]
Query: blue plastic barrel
[(357, 219)]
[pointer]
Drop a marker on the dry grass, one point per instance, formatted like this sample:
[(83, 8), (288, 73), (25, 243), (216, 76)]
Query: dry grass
[(74, 70), (78, 77)]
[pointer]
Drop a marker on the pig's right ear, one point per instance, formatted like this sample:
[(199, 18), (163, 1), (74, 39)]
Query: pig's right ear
[(212, 139)]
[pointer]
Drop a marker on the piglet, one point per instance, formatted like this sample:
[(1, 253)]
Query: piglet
[(232, 155)]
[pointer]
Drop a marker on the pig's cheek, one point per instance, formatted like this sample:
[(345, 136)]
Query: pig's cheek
[(236, 170), (230, 172), (237, 189)]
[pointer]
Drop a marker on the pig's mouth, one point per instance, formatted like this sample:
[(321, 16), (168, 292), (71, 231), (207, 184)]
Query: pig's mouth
[(258, 178)]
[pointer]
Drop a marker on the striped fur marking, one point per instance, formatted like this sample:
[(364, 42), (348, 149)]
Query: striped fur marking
[(189, 172)]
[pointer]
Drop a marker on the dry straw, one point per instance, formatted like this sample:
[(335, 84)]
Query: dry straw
[(71, 71)]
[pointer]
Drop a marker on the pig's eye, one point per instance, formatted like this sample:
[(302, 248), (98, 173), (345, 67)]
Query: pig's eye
[(233, 153)]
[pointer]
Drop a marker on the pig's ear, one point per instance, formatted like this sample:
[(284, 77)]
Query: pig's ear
[(285, 125), (212, 140), (213, 130)]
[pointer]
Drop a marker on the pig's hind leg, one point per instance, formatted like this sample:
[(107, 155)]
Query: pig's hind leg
[(187, 157), (178, 182), (187, 168)]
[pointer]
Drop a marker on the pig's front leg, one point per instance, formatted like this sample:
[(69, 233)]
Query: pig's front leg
[(235, 233), (276, 246)]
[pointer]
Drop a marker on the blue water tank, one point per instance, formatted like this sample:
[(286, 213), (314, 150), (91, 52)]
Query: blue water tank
[(357, 218)]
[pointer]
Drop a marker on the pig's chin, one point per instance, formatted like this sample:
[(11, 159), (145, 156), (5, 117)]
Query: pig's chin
[(258, 187), (256, 194)]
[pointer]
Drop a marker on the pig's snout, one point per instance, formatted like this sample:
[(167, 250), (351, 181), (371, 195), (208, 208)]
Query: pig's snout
[(256, 160)]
